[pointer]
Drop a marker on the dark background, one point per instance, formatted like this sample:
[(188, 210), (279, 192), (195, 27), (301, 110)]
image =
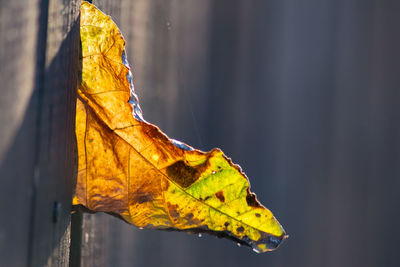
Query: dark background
[(304, 95)]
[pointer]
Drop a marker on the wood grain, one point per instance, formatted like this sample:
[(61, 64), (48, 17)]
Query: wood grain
[(40, 49), (18, 111)]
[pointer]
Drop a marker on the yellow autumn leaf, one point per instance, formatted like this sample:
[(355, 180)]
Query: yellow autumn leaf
[(129, 168)]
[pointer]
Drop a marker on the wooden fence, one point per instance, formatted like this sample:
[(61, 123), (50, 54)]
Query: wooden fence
[(304, 95)]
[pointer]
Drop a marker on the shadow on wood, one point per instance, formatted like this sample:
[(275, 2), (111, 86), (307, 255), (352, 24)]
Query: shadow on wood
[(38, 169)]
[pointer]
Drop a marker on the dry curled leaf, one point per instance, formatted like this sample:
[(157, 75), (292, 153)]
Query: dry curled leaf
[(129, 168)]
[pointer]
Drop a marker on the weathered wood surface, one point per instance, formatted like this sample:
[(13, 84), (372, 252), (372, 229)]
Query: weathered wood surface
[(304, 95), (18, 40), (39, 44)]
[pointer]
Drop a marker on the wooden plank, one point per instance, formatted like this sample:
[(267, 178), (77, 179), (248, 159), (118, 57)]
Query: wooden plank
[(56, 159), (39, 73), (365, 144), (18, 110)]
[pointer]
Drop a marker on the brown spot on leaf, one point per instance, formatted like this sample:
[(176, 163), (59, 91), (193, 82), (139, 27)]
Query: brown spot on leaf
[(258, 215), (173, 212), (220, 196), (226, 224), (252, 201), (184, 175), (141, 197), (240, 229), (191, 221)]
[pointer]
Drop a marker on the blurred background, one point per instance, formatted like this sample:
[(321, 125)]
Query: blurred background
[(304, 95)]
